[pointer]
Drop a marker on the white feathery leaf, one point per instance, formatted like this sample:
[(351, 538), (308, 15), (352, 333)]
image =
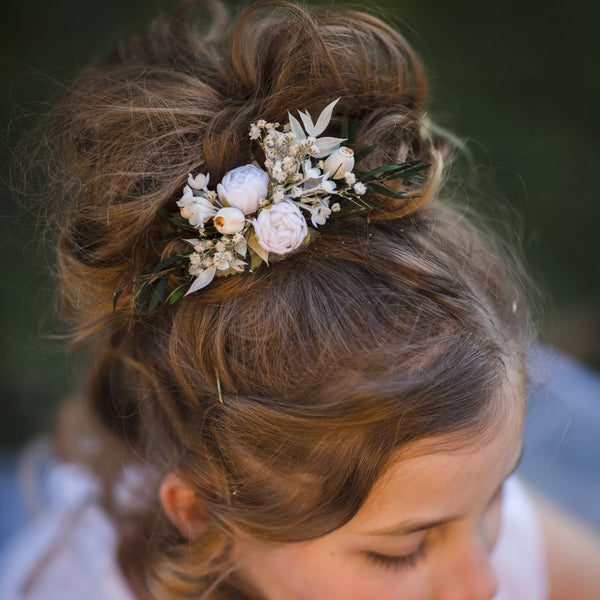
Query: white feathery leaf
[(257, 248), (324, 119), (296, 128), (308, 124), (202, 280), (326, 145)]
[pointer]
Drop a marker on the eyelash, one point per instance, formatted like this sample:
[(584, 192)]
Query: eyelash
[(397, 562)]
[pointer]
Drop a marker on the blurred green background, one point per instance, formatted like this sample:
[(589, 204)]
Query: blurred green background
[(518, 80)]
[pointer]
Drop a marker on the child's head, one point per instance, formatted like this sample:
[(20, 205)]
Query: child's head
[(336, 392)]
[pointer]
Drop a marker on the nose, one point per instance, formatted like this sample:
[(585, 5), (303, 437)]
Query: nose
[(468, 574)]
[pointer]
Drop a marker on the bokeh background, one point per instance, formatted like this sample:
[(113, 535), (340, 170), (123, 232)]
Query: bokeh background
[(517, 80)]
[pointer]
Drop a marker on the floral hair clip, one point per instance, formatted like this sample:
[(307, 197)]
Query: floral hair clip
[(260, 214)]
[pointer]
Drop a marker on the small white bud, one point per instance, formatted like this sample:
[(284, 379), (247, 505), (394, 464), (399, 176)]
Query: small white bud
[(229, 220)]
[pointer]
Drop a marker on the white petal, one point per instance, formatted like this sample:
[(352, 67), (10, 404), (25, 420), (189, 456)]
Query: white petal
[(296, 128), (308, 124), (326, 145), (202, 280), (324, 119), (187, 198)]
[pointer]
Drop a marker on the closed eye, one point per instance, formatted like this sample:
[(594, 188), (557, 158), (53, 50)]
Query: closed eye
[(397, 562)]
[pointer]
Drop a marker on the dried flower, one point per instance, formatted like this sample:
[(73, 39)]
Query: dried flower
[(360, 188), (229, 220), (281, 228), (340, 162), (242, 187)]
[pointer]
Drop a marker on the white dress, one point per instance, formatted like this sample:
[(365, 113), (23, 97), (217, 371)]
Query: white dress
[(68, 553)]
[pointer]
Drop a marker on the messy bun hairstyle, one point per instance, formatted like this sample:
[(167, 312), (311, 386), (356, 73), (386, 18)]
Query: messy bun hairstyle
[(329, 361)]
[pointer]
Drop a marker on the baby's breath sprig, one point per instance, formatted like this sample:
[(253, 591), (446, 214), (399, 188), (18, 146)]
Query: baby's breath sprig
[(258, 214)]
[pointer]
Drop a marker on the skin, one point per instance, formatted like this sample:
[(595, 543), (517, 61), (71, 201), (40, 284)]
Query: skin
[(434, 517), (437, 508)]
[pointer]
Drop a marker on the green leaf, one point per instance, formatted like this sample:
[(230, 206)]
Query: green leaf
[(344, 132), (352, 134), (170, 260), (360, 154), (144, 290), (116, 297), (159, 293), (384, 190), (177, 293)]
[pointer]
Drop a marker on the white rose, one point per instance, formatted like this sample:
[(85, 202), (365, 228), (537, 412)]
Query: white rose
[(229, 220), (281, 228), (243, 187)]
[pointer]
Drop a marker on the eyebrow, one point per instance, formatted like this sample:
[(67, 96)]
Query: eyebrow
[(409, 527)]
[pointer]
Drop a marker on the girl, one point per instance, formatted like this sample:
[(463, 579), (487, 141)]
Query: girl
[(308, 365)]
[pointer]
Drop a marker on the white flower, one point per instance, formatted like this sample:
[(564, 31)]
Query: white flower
[(335, 207), (221, 260), (311, 172), (242, 187), (254, 131), (327, 185), (208, 262), (261, 123), (187, 198), (360, 188), (320, 212), (296, 192), (220, 246), (350, 178), (288, 163), (281, 228), (229, 220), (195, 258), (277, 172), (278, 194), (200, 182), (198, 212), (196, 209), (241, 245), (340, 162)]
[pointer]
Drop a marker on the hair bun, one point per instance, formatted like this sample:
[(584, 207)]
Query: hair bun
[(131, 128)]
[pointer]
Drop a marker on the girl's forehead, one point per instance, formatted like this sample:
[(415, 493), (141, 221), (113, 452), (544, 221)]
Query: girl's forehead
[(444, 477)]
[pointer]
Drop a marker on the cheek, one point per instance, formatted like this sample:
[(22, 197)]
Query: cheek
[(491, 524)]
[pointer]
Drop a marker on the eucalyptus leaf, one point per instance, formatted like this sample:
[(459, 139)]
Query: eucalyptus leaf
[(159, 293), (362, 152), (384, 190), (144, 290), (167, 262), (177, 293), (345, 130), (116, 297)]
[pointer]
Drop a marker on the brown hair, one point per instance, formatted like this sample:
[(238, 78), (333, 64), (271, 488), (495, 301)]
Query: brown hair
[(400, 328)]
